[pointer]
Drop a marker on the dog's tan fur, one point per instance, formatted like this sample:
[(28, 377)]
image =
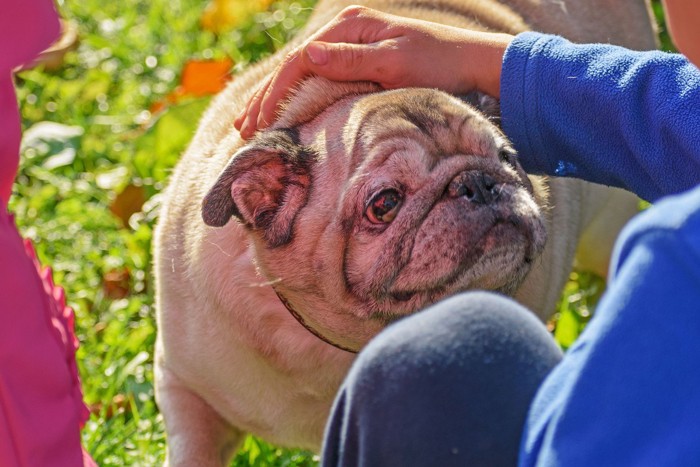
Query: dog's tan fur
[(230, 358)]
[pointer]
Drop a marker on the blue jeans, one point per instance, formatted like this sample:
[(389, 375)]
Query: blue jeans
[(449, 386)]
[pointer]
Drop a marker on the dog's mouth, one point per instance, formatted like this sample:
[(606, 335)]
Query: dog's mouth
[(490, 265)]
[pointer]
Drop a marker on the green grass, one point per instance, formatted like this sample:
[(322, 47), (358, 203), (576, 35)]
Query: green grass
[(130, 55)]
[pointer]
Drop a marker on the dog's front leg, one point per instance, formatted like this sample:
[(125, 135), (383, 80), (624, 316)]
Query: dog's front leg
[(197, 434)]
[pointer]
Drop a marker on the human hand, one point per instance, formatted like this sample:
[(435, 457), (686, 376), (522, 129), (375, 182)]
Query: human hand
[(361, 44)]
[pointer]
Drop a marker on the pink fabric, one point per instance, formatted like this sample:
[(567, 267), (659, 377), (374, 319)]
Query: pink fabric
[(41, 406), (26, 28)]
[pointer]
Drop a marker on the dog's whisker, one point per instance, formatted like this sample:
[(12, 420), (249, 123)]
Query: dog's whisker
[(221, 249), (265, 283)]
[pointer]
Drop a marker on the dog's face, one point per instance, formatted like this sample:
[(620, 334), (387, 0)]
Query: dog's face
[(380, 205)]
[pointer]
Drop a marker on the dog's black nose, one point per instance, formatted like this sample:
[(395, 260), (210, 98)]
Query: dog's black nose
[(476, 186)]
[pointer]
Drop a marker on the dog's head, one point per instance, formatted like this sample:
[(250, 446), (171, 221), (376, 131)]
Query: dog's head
[(366, 206)]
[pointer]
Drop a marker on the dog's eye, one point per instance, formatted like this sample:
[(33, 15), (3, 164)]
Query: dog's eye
[(384, 206)]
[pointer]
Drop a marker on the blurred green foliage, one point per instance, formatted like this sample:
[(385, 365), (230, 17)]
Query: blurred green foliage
[(664, 39)]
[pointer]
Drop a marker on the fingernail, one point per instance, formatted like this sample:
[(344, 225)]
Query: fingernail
[(318, 53), (244, 130)]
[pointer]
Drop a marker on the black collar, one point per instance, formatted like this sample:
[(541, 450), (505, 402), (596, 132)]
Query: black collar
[(301, 321)]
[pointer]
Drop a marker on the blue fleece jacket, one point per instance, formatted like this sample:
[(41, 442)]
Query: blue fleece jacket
[(628, 391), (603, 113)]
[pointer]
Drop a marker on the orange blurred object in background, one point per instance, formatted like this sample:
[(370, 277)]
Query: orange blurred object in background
[(222, 15)]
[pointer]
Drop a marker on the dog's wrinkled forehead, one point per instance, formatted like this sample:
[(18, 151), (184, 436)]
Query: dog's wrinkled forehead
[(443, 124), (448, 123)]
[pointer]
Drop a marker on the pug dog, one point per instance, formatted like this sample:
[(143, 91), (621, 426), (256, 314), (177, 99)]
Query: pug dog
[(278, 258)]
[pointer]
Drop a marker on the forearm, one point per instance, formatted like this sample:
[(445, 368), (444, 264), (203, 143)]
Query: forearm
[(603, 113), (479, 58)]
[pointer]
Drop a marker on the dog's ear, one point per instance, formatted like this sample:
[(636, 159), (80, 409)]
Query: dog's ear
[(264, 186), (489, 106)]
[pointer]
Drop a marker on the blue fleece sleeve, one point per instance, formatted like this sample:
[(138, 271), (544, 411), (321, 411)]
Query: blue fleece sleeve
[(603, 113), (626, 392)]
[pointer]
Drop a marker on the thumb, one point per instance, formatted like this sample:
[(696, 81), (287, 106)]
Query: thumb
[(344, 61)]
